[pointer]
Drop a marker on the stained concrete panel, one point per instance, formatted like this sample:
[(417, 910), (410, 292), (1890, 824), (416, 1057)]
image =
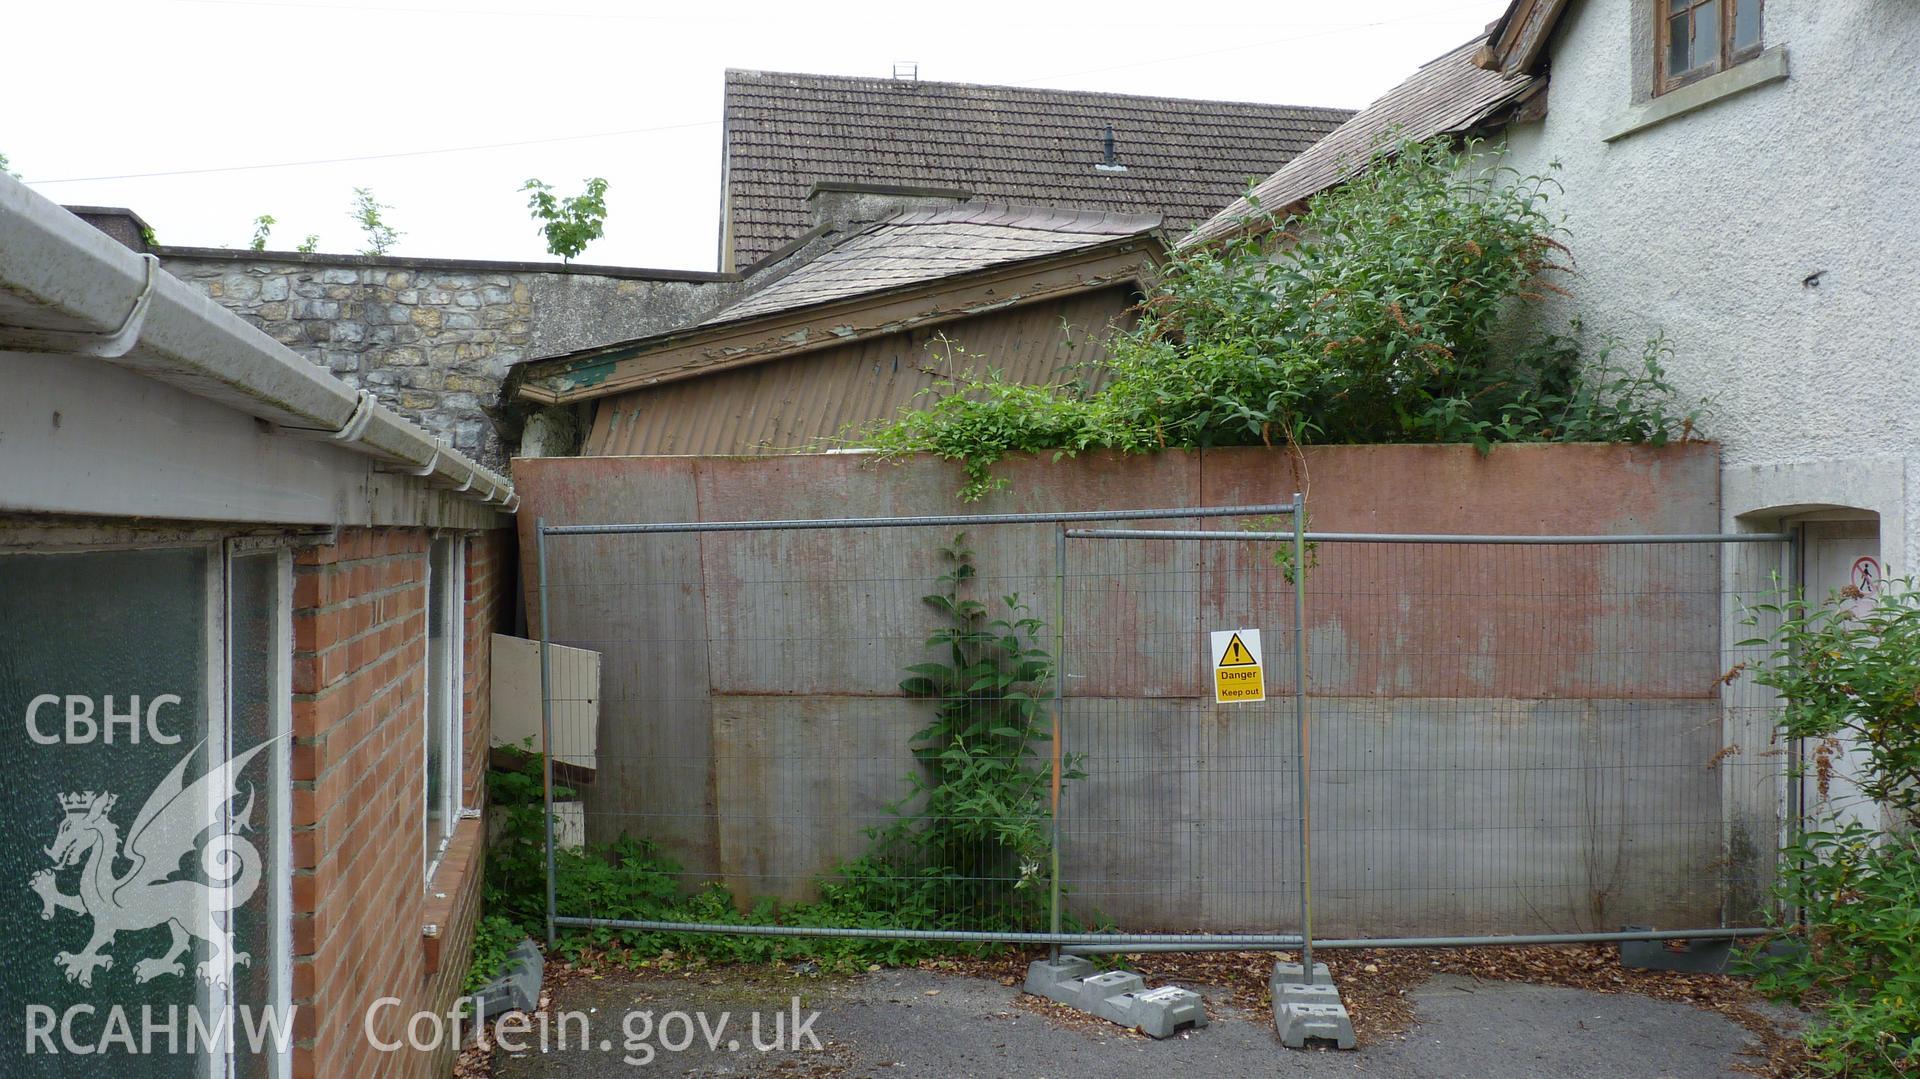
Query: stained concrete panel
[(1478, 816), (1186, 815), (636, 600), (1507, 745), (800, 780), (842, 611), (1489, 620), (1557, 487)]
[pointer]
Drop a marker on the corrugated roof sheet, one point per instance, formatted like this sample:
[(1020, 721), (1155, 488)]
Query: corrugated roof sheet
[(927, 245), (1447, 95), (786, 132)]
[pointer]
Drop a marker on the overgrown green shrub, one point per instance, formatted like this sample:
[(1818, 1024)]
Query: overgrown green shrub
[(494, 935), (1374, 317), (1853, 674)]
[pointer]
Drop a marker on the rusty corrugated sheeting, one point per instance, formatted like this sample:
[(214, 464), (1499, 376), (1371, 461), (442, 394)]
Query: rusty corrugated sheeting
[(813, 400)]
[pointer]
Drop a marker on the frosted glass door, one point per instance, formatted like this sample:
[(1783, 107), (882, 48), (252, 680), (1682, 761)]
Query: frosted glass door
[(103, 691)]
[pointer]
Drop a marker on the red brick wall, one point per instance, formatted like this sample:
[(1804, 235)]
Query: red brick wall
[(359, 900)]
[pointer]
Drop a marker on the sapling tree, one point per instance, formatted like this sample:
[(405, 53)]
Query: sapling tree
[(570, 223), (367, 213), (309, 245), (262, 228)]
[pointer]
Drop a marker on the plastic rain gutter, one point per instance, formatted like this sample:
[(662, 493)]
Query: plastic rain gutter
[(66, 288)]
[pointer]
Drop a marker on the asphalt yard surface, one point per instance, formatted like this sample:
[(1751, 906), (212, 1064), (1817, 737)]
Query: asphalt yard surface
[(1452, 1014)]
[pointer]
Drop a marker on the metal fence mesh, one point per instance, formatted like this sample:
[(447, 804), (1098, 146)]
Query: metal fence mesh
[(1505, 738), (1188, 818), (1535, 739), (752, 723)]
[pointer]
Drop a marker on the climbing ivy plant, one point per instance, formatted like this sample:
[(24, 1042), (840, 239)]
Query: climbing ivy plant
[(978, 817)]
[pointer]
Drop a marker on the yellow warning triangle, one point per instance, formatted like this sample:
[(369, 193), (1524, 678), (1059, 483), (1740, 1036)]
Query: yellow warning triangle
[(1237, 655)]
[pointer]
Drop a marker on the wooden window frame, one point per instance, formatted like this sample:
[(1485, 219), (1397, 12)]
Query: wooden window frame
[(1725, 56)]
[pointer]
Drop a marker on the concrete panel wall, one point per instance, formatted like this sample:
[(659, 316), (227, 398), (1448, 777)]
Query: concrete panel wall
[(1506, 739)]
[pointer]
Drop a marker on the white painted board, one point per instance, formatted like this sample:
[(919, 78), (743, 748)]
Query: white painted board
[(575, 673)]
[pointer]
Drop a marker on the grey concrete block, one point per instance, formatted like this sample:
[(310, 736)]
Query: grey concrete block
[(1157, 1013), (518, 987), (1096, 988), (1043, 976), (1307, 1007), (1117, 996), (1294, 974), (1295, 993), (1298, 1024)]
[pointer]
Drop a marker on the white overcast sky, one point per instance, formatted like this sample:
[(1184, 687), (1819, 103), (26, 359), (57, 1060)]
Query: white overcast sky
[(629, 91)]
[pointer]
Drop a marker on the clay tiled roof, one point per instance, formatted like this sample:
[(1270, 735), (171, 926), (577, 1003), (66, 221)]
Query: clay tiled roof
[(926, 245), (1447, 95), (1183, 159)]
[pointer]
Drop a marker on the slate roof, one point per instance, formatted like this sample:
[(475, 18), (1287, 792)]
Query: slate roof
[(926, 245), (1446, 95), (785, 132)]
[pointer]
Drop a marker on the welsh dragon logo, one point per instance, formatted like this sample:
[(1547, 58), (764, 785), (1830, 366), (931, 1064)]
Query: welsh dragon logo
[(167, 830)]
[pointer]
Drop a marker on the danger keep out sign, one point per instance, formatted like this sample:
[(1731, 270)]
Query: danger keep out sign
[(1237, 676)]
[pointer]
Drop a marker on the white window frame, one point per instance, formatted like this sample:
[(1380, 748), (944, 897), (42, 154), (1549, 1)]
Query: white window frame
[(452, 725), (277, 886)]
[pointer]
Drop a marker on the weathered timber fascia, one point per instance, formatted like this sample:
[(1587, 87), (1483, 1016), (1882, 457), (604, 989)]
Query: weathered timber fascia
[(798, 332)]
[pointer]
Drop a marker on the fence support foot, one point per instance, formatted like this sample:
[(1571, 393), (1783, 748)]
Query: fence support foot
[(1306, 1007), (1117, 996)]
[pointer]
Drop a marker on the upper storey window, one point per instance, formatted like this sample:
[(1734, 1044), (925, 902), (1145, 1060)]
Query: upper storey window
[(1696, 38)]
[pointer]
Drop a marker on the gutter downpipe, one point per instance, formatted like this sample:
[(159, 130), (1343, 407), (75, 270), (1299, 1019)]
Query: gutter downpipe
[(68, 289)]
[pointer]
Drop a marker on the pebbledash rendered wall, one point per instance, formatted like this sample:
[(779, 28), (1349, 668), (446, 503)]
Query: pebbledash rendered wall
[(685, 734), (1776, 286)]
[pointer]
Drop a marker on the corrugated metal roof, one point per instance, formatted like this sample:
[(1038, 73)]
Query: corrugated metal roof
[(1183, 158), (1447, 95), (926, 245), (809, 401)]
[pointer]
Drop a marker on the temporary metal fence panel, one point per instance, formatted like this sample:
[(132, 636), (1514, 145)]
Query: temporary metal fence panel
[(1538, 737), (1189, 816), (1508, 737), (754, 736), (1531, 737)]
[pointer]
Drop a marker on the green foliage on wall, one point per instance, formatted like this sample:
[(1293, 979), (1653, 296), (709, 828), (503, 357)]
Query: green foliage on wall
[(1376, 316)]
